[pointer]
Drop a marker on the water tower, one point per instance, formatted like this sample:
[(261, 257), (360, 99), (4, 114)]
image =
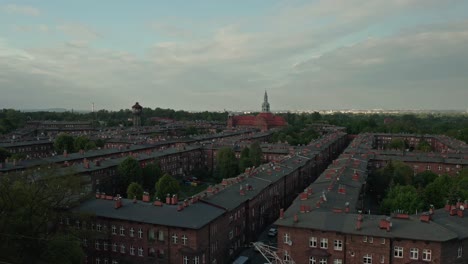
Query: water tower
[(136, 111)]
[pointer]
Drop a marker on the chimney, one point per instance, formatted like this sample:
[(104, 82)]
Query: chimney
[(65, 153), (281, 213), (103, 195), (341, 189), (98, 195), (385, 224), (304, 195), (347, 207), (174, 199), (302, 210), (309, 191), (118, 202), (209, 189), (157, 202), (242, 191), (425, 218), (134, 199), (296, 218), (146, 197), (168, 199), (359, 222), (453, 210), (224, 183), (461, 212), (180, 208), (447, 206), (186, 203)]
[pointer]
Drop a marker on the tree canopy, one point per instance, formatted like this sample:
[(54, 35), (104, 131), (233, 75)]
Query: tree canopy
[(167, 185), (244, 161), (403, 198), (227, 164), (255, 154), (128, 171), (151, 174), (134, 190), (29, 203), (63, 142)]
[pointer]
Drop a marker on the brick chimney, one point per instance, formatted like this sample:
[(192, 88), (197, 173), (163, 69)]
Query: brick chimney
[(158, 203), (134, 199), (359, 222), (174, 199), (146, 197), (98, 195), (385, 224), (65, 153), (281, 213), (304, 196), (103, 195), (241, 191), (426, 218), (168, 199), (224, 183), (309, 191), (118, 202), (296, 218)]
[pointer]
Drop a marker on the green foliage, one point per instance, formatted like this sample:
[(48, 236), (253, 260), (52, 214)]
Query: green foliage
[(134, 189), (255, 154), (64, 142), (394, 173), (191, 130), (297, 134), (84, 143), (422, 179), (100, 143), (129, 171), (4, 154), (64, 249), (151, 174), (166, 185), (28, 205), (403, 198), (226, 163), (424, 146), (244, 161), (396, 143)]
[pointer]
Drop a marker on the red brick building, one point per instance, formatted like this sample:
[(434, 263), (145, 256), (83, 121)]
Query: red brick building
[(263, 121)]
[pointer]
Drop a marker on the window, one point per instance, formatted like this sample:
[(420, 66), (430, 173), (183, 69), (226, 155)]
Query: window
[(185, 260), (115, 262), (105, 246), (460, 252), (338, 245), (286, 256), (98, 227), (338, 261), (140, 233), (323, 261), (161, 235), (286, 238), (364, 239), (97, 245), (106, 261), (414, 252), (132, 250), (132, 231), (114, 230), (122, 231), (114, 247), (440, 168), (382, 259), (324, 243), (367, 259), (383, 241), (312, 242), (174, 238), (312, 260), (398, 252), (231, 234), (370, 239), (85, 242), (427, 255), (140, 251), (98, 261), (122, 248), (428, 167), (196, 260), (184, 240)]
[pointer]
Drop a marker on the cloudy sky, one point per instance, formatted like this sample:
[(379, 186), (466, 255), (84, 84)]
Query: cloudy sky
[(215, 55)]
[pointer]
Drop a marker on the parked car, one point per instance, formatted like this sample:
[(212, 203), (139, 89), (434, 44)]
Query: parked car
[(272, 231)]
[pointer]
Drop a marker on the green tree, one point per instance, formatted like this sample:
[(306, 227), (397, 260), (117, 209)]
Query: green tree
[(63, 142), (255, 154), (422, 179), (244, 161), (151, 174), (82, 142), (226, 163), (4, 154), (166, 185), (424, 146), (403, 198), (402, 174), (396, 143), (100, 143), (129, 171), (134, 189), (437, 192), (30, 202)]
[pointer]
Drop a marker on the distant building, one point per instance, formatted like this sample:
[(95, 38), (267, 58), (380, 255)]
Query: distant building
[(136, 111), (263, 121)]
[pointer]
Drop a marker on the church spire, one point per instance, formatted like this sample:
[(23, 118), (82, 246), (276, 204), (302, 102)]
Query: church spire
[(265, 105)]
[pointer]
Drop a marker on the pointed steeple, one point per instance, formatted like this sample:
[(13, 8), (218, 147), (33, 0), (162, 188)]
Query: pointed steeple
[(265, 105)]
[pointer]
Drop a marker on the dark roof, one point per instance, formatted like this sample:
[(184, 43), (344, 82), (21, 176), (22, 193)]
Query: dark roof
[(194, 216)]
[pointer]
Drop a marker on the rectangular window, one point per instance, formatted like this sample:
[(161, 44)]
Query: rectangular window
[(122, 231), (427, 255), (323, 261), (338, 245), (367, 259), (383, 241), (132, 250), (132, 232), (382, 259), (114, 247), (174, 238), (398, 252), (324, 243), (140, 251), (122, 248), (286, 238), (312, 260), (196, 260), (140, 233), (105, 246), (98, 227), (370, 239), (312, 242), (114, 230), (460, 252), (231, 234), (338, 261), (414, 253)]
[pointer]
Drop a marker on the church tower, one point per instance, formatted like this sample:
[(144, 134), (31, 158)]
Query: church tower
[(265, 105)]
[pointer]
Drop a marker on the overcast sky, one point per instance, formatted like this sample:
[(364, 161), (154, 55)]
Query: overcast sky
[(215, 55)]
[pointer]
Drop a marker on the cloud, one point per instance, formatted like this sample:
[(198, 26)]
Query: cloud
[(78, 32), (21, 10)]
